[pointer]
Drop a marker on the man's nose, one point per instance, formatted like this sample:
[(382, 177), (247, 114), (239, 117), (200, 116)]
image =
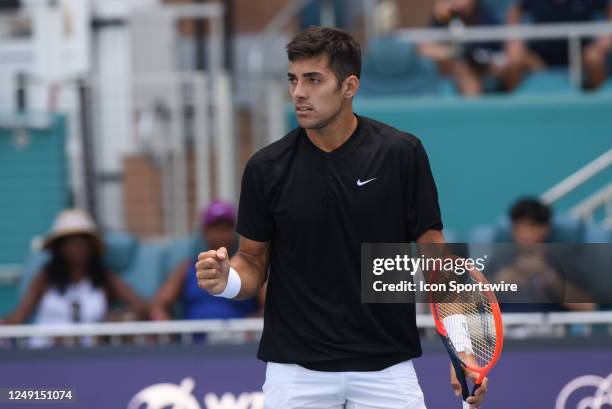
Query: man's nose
[(299, 93)]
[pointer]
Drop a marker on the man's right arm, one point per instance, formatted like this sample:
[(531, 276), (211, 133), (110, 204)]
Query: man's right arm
[(250, 262)]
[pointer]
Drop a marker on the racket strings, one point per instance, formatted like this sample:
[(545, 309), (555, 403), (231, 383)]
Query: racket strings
[(471, 330), (469, 321)]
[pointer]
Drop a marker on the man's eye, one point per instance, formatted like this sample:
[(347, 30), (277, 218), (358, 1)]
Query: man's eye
[(315, 80), (292, 80)]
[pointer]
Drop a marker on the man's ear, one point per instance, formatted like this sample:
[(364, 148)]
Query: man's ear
[(350, 86)]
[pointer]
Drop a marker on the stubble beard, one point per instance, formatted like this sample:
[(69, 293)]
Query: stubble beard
[(324, 122)]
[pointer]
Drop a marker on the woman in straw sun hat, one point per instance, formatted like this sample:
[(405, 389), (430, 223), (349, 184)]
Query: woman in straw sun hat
[(74, 286)]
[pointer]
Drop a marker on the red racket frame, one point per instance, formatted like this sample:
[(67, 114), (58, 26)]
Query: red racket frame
[(499, 330)]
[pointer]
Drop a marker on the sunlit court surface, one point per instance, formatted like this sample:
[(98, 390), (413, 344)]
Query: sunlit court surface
[(306, 204)]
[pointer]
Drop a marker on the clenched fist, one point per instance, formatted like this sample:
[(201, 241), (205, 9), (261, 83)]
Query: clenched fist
[(212, 269)]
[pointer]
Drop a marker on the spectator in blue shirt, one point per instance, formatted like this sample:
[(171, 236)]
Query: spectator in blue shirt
[(537, 55), (218, 221)]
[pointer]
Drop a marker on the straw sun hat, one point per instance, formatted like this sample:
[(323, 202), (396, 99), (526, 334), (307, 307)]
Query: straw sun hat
[(71, 222)]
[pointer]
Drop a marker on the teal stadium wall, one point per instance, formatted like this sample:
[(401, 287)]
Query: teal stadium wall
[(33, 189), (485, 153)]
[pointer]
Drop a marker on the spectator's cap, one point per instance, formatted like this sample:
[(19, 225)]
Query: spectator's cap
[(71, 222), (219, 210)]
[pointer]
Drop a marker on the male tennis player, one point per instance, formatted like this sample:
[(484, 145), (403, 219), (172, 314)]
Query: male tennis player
[(307, 202)]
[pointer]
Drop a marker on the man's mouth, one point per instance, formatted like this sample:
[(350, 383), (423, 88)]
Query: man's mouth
[(303, 108)]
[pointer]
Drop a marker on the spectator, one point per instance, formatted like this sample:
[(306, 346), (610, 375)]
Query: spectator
[(537, 55), (468, 63), (532, 266), (74, 286), (218, 222), (531, 221)]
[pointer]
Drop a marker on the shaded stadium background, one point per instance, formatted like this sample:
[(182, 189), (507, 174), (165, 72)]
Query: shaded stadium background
[(143, 111)]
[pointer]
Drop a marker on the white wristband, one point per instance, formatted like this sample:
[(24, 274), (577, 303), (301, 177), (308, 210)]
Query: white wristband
[(233, 285), (457, 330)]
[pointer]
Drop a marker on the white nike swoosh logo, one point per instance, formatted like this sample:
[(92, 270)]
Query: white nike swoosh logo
[(360, 183)]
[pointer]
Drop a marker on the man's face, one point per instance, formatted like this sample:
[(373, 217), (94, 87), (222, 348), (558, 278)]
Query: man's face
[(527, 231), (219, 234), (314, 91)]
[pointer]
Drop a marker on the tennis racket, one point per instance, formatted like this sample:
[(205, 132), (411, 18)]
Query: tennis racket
[(470, 326)]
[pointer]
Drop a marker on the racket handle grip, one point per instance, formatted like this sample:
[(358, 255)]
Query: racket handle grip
[(467, 405), (476, 386), (465, 392)]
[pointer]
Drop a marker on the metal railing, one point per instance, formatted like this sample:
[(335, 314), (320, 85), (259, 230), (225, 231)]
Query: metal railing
[(10, 274), (424, 321), (587, 208), (466, 34), (573, 32), (577, 178)]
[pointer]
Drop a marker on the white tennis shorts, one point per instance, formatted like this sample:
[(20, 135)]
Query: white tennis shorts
[(290, 386)]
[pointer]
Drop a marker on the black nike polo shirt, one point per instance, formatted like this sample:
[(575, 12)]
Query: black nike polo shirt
[(316, 208)]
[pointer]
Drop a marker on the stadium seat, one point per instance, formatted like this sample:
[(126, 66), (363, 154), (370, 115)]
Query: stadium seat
[(176, 251), (145, 273), (181, 249), (595, 262), (594, 233), (564, 230), (311, 14), (392, 67), (120, 250), (481, 241), (606, 86), (446, 88), (33, 264), (554, 80), (500, 7), (567, 230), (482, 235)]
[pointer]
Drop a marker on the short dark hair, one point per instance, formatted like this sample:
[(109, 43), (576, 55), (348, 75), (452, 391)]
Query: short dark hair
[(529, 208), (343, 51)]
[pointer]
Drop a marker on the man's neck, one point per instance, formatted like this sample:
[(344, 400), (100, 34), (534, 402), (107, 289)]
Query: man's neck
[(333, 135)]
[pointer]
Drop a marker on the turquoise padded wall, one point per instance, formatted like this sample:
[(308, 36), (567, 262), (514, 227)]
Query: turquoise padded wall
[(33, 187)]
